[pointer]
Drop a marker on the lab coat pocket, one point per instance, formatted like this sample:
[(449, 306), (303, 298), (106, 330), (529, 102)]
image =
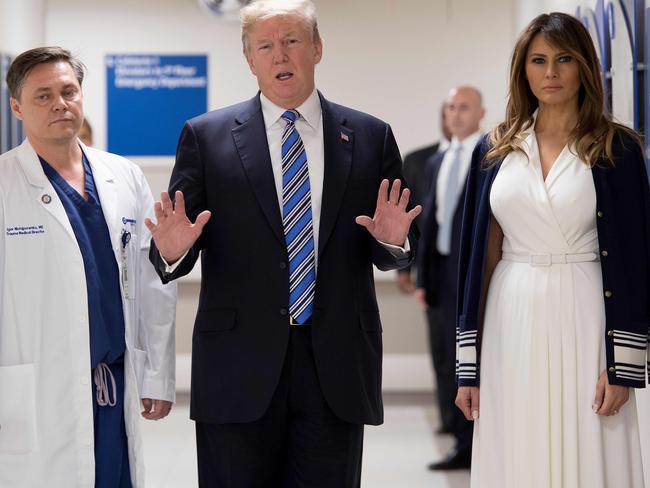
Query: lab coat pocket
[(139, 361), (17, 409)]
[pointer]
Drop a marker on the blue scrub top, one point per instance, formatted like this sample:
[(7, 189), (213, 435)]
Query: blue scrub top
[(86, 217), (106, 317)]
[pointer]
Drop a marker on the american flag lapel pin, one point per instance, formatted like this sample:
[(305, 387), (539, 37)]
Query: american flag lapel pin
[(345, 137)]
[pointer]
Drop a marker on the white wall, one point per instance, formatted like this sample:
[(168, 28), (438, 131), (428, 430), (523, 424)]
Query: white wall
[(22, 25), (393, 59), (527, 10)]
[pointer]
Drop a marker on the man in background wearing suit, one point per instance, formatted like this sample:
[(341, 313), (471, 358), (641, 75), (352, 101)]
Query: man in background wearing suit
[(438, 261), (289, 195), (415, 172)]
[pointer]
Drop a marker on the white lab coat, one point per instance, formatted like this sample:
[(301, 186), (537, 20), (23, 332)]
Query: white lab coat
[(46, 416)]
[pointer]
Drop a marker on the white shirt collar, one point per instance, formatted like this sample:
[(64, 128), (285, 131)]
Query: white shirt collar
[(310, 110), (469, 142), (527, 134)]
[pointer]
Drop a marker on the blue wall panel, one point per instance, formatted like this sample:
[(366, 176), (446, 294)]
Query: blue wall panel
[(149, 98)]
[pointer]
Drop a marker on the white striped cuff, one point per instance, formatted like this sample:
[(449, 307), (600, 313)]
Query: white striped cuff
[(630, 349), (466, 357)]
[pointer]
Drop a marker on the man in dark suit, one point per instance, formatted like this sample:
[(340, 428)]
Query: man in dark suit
[(438, 261), (289, 194), (416, 174)]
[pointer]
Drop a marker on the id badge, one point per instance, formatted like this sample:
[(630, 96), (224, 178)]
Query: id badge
[(126, 238)]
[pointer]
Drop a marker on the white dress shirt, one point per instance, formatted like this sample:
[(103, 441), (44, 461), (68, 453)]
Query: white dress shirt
[(465, 157), (443, 144), (310, 127)]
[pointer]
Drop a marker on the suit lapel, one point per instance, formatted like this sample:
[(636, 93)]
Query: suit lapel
[(338, 143), (250, 138)]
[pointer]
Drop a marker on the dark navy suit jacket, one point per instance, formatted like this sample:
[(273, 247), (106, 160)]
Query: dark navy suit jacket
[(241, 331), (417, 172), (432, 273), (623, 223)]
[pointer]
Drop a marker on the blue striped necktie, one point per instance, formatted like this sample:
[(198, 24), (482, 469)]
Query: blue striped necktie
[(297, 221), (451, 193)]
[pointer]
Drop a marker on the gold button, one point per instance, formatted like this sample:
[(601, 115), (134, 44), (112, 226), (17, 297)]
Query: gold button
[(608, 294), (604, 253), (600, 214), (610, 333), (611, 369)]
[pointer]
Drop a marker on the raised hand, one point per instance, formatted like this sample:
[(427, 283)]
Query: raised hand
[(174, 234), (391, 221)]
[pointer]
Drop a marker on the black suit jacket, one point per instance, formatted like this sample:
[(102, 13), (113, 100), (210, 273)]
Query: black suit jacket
[(435, 270), (416, 172), (241, 330)]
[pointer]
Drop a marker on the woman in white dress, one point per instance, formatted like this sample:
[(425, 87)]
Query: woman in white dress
[(556, 230)]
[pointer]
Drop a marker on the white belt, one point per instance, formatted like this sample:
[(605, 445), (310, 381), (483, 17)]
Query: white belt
[(547, 259)]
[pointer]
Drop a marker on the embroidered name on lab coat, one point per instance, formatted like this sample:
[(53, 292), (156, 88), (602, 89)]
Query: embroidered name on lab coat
[(25, 230)]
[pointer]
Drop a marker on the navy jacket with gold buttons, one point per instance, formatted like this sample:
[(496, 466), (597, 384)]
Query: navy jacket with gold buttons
[(623, 223)]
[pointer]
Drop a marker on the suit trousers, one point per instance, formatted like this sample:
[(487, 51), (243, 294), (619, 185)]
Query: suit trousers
[(442, 341), (444, 367), (297, 443)]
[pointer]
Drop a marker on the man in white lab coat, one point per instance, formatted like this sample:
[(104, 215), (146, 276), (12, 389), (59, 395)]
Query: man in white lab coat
[(86, 327)]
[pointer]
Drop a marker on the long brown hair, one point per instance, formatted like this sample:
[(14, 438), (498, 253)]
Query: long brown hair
[(595, 129)]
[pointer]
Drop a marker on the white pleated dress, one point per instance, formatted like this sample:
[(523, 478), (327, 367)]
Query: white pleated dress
[(543, 345)]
